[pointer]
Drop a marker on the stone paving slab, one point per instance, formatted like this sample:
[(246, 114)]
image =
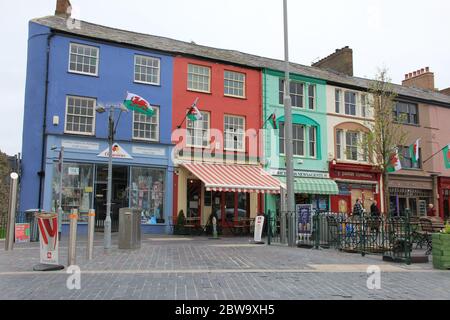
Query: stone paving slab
[(196, 268)]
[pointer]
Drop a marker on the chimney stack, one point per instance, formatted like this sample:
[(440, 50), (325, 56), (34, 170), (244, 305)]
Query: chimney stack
[(422, 78), (63, 8), (341, 61)]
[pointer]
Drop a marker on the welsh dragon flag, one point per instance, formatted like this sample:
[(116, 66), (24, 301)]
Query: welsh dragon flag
[(136, 103), (414, 151), (447, 156), (395, 164), (194, 114)]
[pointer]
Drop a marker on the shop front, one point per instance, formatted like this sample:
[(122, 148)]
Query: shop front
[(310, 187), (444, 197), (141, 178), (355, 181), (410, 192), (230, 192)]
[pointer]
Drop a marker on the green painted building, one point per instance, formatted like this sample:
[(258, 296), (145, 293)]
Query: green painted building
[(312, 182)]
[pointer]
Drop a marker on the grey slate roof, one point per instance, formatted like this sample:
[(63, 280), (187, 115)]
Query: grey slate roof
[(228, 56)]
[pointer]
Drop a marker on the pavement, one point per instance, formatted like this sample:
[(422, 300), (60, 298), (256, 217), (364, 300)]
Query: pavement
[(199, 268)]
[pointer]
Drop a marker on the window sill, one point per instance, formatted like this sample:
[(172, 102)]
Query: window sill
[(236, 97), (145, 141), (199, 91), (78, 134), (408, 124), (148, 83), (94, 75)]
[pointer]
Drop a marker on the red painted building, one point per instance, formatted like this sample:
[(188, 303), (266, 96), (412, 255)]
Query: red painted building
[(355, 181), (225, 141), (444, 197)]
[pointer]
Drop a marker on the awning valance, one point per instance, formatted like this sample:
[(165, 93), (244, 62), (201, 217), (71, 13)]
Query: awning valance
[(234, 178), (313, 186)]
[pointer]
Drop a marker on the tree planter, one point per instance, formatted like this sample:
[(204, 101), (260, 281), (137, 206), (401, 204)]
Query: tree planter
[(441, 251)]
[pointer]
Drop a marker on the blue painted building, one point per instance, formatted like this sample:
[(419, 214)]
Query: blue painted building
[(68, 75)]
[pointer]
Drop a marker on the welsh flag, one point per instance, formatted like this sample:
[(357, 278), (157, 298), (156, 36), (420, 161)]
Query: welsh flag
[(414, 151), (194, 114), (136, 103), (394, 162), (273, 120), (447, 156)]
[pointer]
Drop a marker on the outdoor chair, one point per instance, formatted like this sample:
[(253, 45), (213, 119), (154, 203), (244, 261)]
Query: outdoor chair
[(424, 234)]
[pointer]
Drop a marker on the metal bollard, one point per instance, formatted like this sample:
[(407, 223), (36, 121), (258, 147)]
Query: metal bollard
[(90, 240), (11, 212), (73, 237)]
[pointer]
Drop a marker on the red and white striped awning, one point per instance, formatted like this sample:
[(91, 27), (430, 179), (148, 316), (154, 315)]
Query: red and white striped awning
[(234, 178)]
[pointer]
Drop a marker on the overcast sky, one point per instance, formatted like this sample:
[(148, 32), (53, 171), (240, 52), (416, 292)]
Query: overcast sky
[(402, 35)]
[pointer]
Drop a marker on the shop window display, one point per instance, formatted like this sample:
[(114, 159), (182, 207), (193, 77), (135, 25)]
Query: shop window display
[(77, 189), (147, 194)]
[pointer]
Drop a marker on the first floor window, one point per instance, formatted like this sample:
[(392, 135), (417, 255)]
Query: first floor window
[(337, 98), (311, 96), (406, 160), (198, 131), (234, 84), (234, 131), (146, 69), (351, 141), (83, 59), (147, 193), (80, 115), (406, 113), (298, 139), (295, 90), (312, 142), (77, 189), (338, 144), (145, 127), (350, 103), (199, 78)]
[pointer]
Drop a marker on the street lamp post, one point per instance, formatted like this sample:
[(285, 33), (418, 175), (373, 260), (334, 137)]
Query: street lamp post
[(60, 191), (111, 132), (288, 138)]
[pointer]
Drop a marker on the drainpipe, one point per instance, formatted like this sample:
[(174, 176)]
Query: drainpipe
[(44, 126)]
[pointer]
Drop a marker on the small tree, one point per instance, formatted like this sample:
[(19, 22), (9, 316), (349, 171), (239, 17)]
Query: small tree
[(181, 221), (4, 185), (386, 133)]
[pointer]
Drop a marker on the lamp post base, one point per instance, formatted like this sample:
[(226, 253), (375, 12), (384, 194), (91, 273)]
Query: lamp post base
[(48, 267)]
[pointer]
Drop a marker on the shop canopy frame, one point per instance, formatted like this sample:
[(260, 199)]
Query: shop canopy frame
[(234, 178)]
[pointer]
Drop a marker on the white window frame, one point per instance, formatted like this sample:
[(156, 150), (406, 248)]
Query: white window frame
[(208, 131), (93, 116), (234, 81), (343, 146), (314, 128), (303, 85), (351, 146), (209, 78), (156, 115), (314, 97), (356, 103), (305, 140), (225, 133), (338, 100), (149, 58), (84, 46)]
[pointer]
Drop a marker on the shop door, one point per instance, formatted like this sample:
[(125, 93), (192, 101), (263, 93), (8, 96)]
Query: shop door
[(119, 195), (341, 204), (194, 204), (446, 208)]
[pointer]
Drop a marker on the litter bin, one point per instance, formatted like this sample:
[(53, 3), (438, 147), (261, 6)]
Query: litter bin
[(129, 228), (31, 218)]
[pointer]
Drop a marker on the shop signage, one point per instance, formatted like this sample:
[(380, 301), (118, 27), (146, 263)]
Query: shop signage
[(74, 171), (48, 234), (118, 152), (300, 174), (80, 145), (351, 174), (22, 232), (149, 151), (259, 223)]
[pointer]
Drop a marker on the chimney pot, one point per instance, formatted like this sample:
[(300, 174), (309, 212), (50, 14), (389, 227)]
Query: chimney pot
[(422, 71), (406, 76), (414, 73), (427, 69)]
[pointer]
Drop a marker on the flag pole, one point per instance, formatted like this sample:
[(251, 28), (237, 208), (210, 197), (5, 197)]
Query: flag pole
[(434, 154), (184, 119)]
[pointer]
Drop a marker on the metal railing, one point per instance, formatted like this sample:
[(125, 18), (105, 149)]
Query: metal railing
[(390, 236)]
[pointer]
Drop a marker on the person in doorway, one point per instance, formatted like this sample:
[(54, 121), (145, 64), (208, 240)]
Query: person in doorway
[(374, 210), (431, 212), (358, 208)]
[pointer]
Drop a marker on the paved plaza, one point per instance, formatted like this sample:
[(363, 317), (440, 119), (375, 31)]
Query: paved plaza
[(192, 268)]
